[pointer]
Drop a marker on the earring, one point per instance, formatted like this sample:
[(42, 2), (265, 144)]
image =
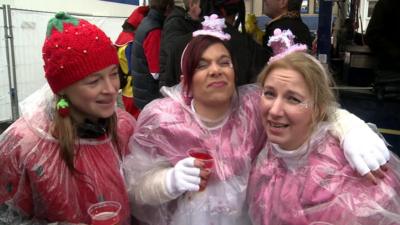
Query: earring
[(63, 107)]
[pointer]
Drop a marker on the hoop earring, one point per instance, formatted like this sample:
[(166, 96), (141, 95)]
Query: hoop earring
[(63, 107)]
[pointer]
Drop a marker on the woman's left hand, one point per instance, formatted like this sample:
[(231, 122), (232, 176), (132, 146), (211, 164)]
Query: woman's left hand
[(379, 173), (366, 152)]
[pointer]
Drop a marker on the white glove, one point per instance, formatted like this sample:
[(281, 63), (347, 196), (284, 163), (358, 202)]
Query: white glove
[(364, 150), (184, 176)]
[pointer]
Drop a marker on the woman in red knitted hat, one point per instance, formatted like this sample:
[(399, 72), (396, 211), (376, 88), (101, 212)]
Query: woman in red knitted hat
[(64, 153)]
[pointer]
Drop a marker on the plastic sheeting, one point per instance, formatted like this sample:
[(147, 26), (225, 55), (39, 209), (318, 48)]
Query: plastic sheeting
[(316, 185), (167, 129), (36, 183)]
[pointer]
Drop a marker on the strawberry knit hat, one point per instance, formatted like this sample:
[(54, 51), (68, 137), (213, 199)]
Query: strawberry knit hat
[(74, 49)]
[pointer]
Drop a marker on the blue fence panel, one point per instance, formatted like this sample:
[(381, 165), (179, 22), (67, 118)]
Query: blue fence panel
[(130, 2)]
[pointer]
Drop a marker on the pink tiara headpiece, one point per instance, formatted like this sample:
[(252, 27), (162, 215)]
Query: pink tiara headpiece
[(213, 26), (282, 44)]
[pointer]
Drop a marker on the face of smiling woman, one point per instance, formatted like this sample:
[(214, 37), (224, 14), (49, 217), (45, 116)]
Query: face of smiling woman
[(214, 79), (95, 96), (287, 108)]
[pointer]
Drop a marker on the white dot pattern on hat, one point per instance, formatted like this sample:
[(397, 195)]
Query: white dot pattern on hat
[(71, 56)]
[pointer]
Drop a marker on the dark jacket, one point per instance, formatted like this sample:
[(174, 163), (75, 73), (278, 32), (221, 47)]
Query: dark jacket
[(177, 32), (294, 24), (382, 34), (144, 85), (250, 57)]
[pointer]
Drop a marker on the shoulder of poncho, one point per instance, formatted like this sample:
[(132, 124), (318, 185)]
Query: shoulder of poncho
[(159, 111), (162, 105), (125, 118), (126, 123), (249, 96), (18, 139)]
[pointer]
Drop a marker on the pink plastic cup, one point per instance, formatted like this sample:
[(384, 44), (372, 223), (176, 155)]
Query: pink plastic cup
[(105, 213)]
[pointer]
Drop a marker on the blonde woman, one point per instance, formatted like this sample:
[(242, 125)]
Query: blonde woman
[(302, 176)]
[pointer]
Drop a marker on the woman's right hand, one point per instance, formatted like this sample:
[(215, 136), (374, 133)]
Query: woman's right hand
[(186, 175)]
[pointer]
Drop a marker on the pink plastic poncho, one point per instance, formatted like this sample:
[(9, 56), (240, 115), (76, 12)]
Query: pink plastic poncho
[(316, 185), (37, 184), (168, 128)]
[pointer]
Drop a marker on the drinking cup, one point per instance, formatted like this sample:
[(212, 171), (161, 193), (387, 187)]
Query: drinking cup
[(105, 213)]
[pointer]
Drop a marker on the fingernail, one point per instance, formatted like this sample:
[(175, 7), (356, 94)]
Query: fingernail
[(201, 164)]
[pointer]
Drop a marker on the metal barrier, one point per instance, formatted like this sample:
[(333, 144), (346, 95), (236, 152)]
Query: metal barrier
[(21, 70)]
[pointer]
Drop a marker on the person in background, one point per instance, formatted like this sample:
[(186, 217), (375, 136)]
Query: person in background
[(146, 53), (176, 33), (179, 3), (208, 111), (124, 45), (381, 37), (252, 28), (302, 175), (251, 56), (285, 15), (65, 151)]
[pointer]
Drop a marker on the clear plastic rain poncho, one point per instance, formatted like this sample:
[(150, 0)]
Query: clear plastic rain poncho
[(167, 128), (36, 185), (316, 185)]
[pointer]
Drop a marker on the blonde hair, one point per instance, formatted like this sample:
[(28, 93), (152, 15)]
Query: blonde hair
[(316, 78), (65, 131)]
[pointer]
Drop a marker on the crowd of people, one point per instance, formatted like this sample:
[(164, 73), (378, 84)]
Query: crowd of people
[(282, 150)]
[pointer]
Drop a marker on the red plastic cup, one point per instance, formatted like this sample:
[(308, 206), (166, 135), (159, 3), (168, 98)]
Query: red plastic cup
[(105, 213), (203, 156)]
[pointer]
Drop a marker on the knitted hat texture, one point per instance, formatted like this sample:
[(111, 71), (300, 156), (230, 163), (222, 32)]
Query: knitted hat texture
[(74, 49)]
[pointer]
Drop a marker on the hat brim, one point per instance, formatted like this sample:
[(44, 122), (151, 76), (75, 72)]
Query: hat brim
[(124, 38)]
